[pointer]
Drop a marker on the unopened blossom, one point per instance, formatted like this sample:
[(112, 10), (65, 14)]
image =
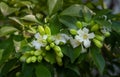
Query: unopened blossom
[(83, 36)]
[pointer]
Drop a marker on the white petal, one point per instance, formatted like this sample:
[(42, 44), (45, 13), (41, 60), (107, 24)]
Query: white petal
[(86, 43), (37, 36), (79, 38), (74, 43), (85, 30), (45, 37), (80, 31), (91, 35), (36, 44)]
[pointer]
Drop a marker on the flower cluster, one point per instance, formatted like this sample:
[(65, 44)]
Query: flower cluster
[(48, 47)]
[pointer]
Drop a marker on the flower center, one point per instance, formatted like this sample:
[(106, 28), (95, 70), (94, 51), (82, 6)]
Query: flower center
[(85, 36)]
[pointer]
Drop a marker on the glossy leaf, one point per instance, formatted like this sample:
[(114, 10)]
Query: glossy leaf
[(97, 58), (54, 5), (27, 70), (7, 30), (8, 66), (74, 10), (73, 54), (30, 18), (68, 21), (42, 71), (116, 26), (6, 10)]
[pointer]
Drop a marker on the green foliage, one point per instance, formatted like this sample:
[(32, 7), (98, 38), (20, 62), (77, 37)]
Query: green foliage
[(58, 38)]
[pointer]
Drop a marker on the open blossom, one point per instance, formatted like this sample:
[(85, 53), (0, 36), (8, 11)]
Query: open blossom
[(75, 43), (84, 37), (60, 38), (38, 42)]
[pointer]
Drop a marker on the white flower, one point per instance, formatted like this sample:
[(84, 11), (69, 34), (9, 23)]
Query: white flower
[(84, 36), (38, 42), (74, 42), (60, 38)]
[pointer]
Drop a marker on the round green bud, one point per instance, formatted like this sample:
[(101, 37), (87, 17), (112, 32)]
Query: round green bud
[(47, 30), (47, 48), (59, 61), (57, 48), (95, 27), (32, 52), (60, 54), (33, 59), (43, 53), (52, 45), (107, 34), (28, 60), (37, 53), (79, 24), (39, 58), (49, 39), (100, 38), (44, 41), (73, 31), (97, 43), (23, 58), (41, 30), (18, 74)]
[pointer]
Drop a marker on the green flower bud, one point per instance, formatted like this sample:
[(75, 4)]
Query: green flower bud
[(32, 52), (97, 43), (23, 58), (57, 48), (59, 61), (37, 53), (41, 30), (60, 54), (100, 38), (47, 48), (107, 34), (49, 39), (79, 24), (39, 58), (52, 45), (47, 30), (18, 74), (33, 59), (95, 27), (28, 60), (73, 31), (44, 41)]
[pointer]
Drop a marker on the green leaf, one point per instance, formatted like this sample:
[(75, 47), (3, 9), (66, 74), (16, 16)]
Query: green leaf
[(68, 21), (50, 56), (55, 25), (8, 47), (116, 26), (97, 58), (87, 13), (74, 10), (54, 5), (7, 30), (16, 20), (42, 71), (27, 70), (6, 10), (1, 53), (8, 66), (30, 18), (73, 54)]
